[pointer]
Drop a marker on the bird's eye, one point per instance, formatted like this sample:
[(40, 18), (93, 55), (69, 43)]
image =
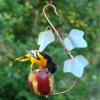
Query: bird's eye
[(33, 53)]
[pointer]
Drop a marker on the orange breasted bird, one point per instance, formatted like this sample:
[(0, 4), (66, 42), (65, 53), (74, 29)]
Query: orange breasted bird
[(39, 58)]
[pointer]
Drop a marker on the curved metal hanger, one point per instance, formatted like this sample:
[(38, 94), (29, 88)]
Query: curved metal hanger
[(50, 4)]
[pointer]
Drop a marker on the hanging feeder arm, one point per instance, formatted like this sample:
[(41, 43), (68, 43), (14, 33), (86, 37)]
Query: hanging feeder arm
[(49, 4)]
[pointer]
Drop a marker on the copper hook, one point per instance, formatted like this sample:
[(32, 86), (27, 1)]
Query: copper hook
[(49, 4)]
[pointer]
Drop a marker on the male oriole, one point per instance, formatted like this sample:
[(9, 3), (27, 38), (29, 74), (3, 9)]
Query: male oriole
[(39, 58)]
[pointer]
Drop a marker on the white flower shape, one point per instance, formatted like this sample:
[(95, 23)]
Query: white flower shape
[(45, 38), (75, 40), (76, 65)]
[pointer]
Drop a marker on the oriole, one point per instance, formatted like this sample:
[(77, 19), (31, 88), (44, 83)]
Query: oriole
[(39, 58)]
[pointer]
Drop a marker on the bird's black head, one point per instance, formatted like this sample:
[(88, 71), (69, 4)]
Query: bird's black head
[(50, 64)]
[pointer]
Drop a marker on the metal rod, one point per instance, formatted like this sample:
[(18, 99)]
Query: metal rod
[(56, 32), (49, 4)]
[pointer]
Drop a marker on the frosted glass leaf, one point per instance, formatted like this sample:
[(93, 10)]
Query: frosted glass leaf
[(76, 65), (45, 38), (75, 40)]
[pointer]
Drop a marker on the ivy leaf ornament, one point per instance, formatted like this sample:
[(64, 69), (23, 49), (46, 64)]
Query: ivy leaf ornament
[(76, 65), (45, 38), (75, 40)]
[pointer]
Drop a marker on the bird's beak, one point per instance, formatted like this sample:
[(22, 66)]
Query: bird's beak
[(24, 58)]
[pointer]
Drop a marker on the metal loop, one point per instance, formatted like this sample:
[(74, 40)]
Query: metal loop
[(48, 28), (67, 90)]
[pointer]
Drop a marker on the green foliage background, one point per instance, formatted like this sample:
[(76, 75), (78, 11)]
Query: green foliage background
[(20, 24)]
